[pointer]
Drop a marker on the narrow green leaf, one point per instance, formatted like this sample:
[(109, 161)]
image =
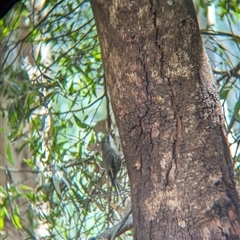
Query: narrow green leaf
[(237, 110), (26, 188), (3, 192), (9, 155), (16, 221), (2, 212), (224, 91), (1, 223), (6, 213), (17, 133), (79, 122)]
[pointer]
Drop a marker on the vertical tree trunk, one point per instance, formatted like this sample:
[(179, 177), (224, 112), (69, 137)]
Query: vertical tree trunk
[(14, 178), (19, 173), (169, 120)]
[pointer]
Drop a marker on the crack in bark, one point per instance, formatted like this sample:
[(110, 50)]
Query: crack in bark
[(151, 5), (188, 229), (161, 63), (155, 19), (167, 174), (178, 124), (150, 230), (146, 78)]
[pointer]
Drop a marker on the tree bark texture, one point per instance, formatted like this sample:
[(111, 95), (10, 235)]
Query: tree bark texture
[(169, 118)]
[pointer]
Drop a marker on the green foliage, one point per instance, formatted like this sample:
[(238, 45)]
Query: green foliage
[(53, 99)]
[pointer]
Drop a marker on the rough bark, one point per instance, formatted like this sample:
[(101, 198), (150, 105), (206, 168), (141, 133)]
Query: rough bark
[(169, 119)]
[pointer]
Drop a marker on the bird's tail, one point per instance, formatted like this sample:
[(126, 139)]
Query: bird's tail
[(115, 185), (116, 188)]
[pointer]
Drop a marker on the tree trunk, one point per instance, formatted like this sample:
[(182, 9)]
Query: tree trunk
[(169, 118), (14, 179)]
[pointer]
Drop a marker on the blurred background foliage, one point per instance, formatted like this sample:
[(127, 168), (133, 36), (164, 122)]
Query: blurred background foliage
[(55, 109)]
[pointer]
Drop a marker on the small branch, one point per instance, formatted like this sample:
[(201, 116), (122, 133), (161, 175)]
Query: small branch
[(83, 108), (232, 72), (123, 221), (17, 170), (218, 33), (124, 225)]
